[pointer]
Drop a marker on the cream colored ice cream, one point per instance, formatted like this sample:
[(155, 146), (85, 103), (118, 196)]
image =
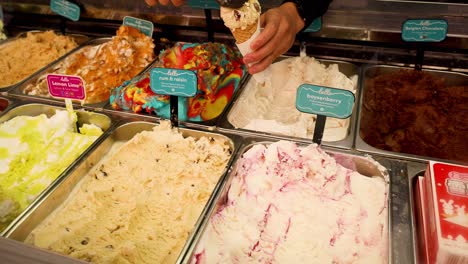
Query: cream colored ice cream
[(290, 204), (141, 204), (243, 17), (24, 56), (104, 66), (270, 107), (34, 150)]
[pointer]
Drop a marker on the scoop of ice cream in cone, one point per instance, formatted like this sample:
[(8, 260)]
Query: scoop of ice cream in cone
[(244, 21)]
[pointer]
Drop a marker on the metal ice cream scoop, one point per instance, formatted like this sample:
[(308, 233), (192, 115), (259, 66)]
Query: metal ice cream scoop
[(231, 3)]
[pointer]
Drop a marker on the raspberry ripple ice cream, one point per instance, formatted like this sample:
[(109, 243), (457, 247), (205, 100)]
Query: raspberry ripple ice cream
[(141, 203), (219, 69), (290, 204), (270, 107)]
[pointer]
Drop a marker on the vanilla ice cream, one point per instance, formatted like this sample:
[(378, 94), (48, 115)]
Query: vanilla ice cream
[(270, 107), (141, 203), (290, 204)]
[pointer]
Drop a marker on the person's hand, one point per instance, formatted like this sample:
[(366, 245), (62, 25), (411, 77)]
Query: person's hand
[(280, 26), (165, 2)]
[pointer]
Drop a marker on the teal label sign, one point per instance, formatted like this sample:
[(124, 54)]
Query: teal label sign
[(173, 82), (424, 30), (315, 26), (66, 9), (145, 26), (320, 100), (203, 4)]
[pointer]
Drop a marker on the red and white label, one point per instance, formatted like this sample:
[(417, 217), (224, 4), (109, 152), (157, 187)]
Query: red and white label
[(66, 86)]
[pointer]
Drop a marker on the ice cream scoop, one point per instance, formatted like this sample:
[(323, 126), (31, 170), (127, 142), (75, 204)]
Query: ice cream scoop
[(231, 3)]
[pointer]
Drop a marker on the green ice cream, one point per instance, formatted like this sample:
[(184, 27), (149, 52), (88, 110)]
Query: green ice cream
[(33, 153)]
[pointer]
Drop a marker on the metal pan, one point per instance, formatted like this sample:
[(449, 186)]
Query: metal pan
[(452, 79), (36, 79), (33, 109), (127, 130), (211, 122), (40, 76), (346, 68), (361, 164), (79, 39)]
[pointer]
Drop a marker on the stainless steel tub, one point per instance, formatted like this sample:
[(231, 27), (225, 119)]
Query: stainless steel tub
[(361, 164), (120, 134), (50, 69), (211, 122), (451, 78), (33, 109), (346, 68)]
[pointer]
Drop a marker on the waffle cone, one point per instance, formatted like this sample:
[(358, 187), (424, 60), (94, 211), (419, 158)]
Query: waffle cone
[(242, 35)]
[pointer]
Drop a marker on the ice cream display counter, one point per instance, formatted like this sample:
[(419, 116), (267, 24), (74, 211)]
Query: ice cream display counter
[(239, 180)]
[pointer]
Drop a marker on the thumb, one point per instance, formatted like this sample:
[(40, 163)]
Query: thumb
[(262, 20)]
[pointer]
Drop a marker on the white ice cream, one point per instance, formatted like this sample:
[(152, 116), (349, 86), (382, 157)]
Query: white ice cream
[(271, 107)]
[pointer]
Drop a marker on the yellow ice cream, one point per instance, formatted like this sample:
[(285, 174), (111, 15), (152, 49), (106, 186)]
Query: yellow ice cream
[(33, 153)]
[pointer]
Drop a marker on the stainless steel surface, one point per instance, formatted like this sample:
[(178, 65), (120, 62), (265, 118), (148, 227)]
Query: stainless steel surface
[(399, 235), (14, 252), (79, 39), (346, 68), (33, 109), (452, 79), (415, 169), (211, 122), (122, 133)]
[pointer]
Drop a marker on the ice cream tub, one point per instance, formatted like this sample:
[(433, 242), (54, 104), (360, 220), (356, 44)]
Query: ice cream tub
[(101, 63), (77, 38), (422, 114), (121, 136), (40, 76), (232, 192), (268, 114), (220, 72), (40, 144)]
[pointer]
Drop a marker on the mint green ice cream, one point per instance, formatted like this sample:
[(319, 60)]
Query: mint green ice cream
[(34, 151)]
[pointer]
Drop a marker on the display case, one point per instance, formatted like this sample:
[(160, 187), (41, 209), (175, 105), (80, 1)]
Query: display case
[(364, 37)]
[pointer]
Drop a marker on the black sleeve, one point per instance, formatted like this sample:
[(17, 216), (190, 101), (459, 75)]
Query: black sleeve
[(310, 9)]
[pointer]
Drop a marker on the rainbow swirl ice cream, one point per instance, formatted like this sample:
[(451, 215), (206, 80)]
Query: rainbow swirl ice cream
[(219, 69)]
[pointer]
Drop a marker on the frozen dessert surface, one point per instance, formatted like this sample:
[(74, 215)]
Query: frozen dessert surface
[(241, 18), (270, 107), (104, 66), (141, 203), (219, 70), (23, 56), (290, 204), (34, 150), (415, 112)]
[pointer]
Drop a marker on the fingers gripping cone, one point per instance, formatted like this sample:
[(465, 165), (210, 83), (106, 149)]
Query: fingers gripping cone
[(244, 38)]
